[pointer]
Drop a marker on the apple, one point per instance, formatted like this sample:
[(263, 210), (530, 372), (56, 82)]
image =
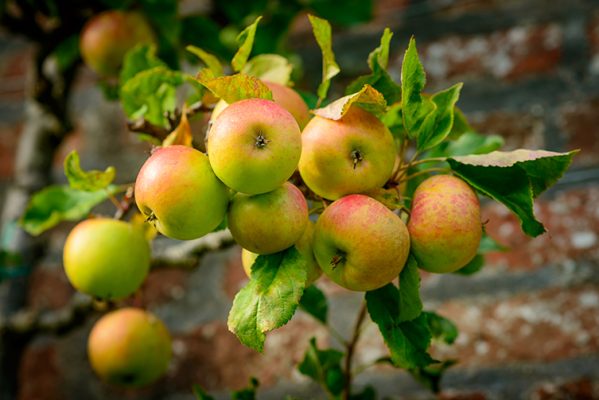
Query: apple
[(108, 36), (106, 258), (444, 225), (254, 146), (129, 347), (360, 244), (269, 222), (179, 193), (304, 247), (355, 154), (284, 96)]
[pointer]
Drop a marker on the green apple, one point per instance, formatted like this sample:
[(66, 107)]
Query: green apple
[(106, 258), (444, 225), (108, 36), (355, 154), (179, 193), (360, 244), (129, 347), (303, 245), (254, 146), (269, 222), (284, 96)]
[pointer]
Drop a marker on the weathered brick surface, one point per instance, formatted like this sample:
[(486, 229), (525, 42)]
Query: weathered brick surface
[(40, 372), (514, 53), (528, 321)]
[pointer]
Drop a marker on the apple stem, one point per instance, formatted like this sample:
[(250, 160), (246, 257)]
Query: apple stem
[(351, 346), (337, 259)]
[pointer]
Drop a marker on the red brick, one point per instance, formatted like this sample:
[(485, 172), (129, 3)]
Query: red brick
[(214, 358), (572, 223), (581, 389), (579, 123), (550, 325), (235, 277), (40, 376), (49, 288), (593, 38), (520, 130), (461, 395), (163, 285), (13, 71), (514, 53), (9, 139)]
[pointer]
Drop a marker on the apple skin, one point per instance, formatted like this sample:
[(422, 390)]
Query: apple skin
[(444, 225), (270, 222), (254, 146), (355, 154), (303, 246), (129, 347), (284, 96), (108, 36), (178, 191), (360, 244), (106, 258)]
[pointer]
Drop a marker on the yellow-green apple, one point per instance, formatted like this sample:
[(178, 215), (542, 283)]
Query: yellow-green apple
[(254, 146), (304, 247), (444, 224), (360, 244), (129, 347), (269, 222), (284, 96), (106, 258), (108, 36), (179, 193), (355, 154)]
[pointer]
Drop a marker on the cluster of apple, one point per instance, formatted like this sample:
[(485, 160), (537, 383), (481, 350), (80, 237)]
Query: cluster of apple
[(254, 146)]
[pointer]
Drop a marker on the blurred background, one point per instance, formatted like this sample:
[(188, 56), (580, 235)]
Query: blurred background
[(529, 321)]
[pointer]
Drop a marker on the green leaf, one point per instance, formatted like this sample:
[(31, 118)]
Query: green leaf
[(55, 204), (473, 143), (246, 42), (487, 244), (460, 125), (417, 110), (324, 367), (270, 68), (248, 393), (514, 178), (88, 181), (379, 78), (236, 87), (368, 393), (430, 376), (165, 20), (322, 32), (67, 52), (210, 60), (196, 29), (369, 98), (350, 12), (393, 119), (441, 328), (314, 302), (200, 393), (380, 55), (270, 298), (410, 305), (444, 105), (408, 341), (151, 94), (473, 266), (138, 59)]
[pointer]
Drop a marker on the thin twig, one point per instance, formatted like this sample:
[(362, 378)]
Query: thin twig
[(426, 171), (351, 346)]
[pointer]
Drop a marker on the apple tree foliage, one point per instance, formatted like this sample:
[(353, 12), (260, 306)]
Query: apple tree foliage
[(426, 126)]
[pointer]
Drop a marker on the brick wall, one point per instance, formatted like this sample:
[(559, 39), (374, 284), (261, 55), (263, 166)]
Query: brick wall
[(529, 321)]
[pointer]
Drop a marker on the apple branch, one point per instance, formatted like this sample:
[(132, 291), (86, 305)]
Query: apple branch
[(350, 351)]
